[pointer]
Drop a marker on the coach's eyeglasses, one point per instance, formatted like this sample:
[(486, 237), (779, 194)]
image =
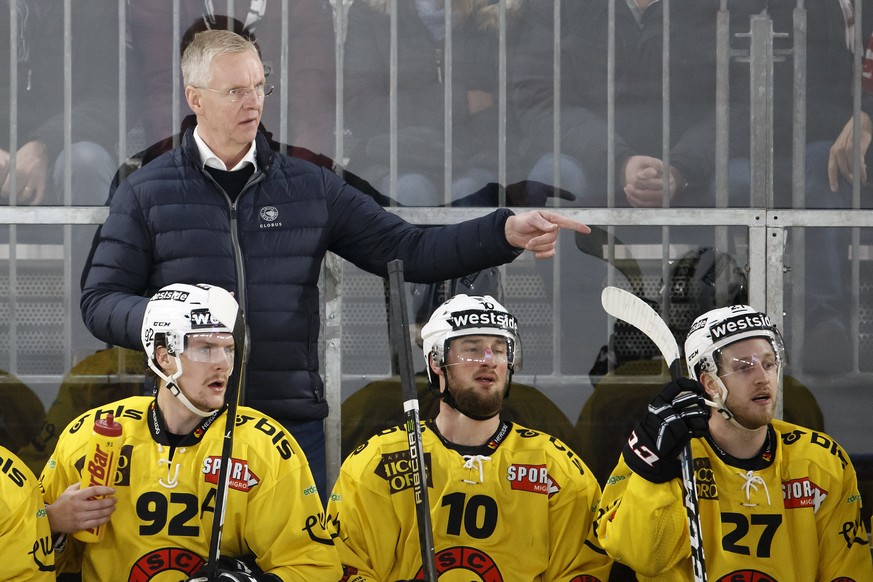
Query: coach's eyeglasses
[(237, 94)]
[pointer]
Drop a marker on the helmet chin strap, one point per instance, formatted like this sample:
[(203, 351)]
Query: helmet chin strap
[(719, 402), (177, 392)]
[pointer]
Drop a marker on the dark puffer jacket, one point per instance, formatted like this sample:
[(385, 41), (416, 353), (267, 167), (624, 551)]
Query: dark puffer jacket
[(169, 222)]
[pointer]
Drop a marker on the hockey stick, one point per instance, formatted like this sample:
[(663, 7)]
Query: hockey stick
[(224, 308), (626, 306), (596, 244), (399, 328)]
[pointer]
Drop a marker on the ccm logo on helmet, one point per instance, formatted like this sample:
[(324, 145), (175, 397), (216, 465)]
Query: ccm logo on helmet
[(473, 319), (739, 324)]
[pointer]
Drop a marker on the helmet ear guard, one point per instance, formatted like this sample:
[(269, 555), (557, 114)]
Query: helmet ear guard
[(432, 381)]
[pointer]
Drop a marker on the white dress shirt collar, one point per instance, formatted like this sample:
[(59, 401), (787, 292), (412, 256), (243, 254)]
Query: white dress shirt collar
[(208, 157)]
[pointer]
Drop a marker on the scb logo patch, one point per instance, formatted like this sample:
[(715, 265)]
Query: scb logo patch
[(165, 564), (463, 564)]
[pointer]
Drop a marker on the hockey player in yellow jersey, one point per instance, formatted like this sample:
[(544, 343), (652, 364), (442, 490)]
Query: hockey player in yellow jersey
[(25, 537), (166, 481), (777, 501), (507, 502)]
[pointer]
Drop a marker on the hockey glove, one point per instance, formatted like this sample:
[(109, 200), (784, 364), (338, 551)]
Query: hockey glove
[(675, 415), (235, 570)]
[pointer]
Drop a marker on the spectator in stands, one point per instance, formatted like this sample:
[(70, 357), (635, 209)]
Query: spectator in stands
[(829, 74), (47, 77), (641, 179), (421, 75), (39, 58)]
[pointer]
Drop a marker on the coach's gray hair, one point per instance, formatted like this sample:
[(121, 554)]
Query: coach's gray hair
[(197, 58)]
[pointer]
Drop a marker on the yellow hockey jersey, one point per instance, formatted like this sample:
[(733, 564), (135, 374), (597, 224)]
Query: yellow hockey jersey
[(518, 508), (25, 536), (792, 513), (162, 523)]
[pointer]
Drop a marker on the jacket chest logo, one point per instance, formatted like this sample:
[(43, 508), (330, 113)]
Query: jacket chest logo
[(269, 217)]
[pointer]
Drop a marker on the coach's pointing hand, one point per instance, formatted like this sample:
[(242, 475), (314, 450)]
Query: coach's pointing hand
[(537, 231)]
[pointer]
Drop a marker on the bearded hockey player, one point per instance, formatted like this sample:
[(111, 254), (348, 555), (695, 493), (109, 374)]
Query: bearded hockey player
[(166, 481), (777, 501), (507, 502)]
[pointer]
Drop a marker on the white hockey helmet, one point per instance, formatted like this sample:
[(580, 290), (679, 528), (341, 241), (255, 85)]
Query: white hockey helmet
[(721, 327), (176, 312), (464, 315)]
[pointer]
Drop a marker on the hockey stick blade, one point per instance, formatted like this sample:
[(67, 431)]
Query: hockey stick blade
[(626, 306), (224, 308), (399, 334)]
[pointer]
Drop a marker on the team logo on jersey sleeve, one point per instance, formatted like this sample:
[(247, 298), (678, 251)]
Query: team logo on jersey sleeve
[(533, 478), (799, 493), (241, 478)]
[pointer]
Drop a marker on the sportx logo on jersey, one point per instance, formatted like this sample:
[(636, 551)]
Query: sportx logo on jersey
[(475, 319), (241, 478), (740, 323), (533, 478), (799, 493)]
